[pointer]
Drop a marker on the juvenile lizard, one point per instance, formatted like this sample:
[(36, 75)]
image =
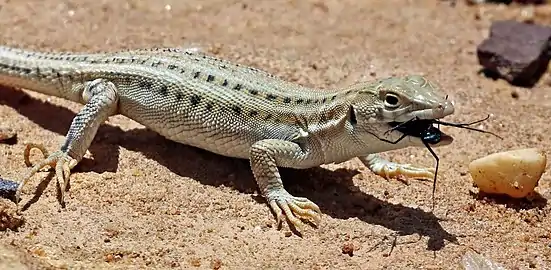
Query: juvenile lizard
[(231, 110)]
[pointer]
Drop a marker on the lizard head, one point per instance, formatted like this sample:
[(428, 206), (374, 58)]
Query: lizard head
[(395, 107)]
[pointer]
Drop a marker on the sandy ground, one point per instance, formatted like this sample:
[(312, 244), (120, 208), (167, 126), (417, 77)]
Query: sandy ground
[(140, 201)]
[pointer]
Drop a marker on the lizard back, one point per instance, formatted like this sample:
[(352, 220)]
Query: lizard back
[(187, 97)]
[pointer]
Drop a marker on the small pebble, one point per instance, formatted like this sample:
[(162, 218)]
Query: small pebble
[(6, 134), (348, 248), (10, 218), (475, 261), (514, 173)]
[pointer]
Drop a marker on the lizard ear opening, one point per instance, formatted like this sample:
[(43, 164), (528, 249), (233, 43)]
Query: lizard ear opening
[(352, 116)]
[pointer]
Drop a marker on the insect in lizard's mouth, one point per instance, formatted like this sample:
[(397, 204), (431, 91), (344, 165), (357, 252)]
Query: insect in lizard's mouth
[(423, 129), (431, 134)]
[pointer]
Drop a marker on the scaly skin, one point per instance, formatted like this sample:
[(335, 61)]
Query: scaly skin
[(231, 110)]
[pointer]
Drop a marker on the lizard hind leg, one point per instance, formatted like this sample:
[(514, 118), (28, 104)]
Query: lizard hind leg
[(101, 97)]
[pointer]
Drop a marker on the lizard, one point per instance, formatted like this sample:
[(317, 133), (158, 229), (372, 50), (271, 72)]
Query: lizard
[(232, 110)]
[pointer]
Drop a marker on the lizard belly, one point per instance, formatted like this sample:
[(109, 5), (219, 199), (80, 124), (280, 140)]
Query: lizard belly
[(205, 135), (220, 133)]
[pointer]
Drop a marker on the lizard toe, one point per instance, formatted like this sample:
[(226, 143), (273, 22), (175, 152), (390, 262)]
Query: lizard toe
[(294, 209), (306, 211)]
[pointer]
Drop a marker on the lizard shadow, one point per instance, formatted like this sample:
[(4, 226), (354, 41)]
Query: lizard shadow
[(330, 190), (337, 196)]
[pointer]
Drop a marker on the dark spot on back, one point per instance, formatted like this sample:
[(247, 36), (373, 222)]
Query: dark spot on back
[(210, 78), (333, 97), (171, 67), (267, 117), (253, 92), (270, 97), (225, 83), (210, 106), (324, 100), (179, 95), (196, 75), (163, 89), (287, 100), (237, 87), (299, 101), (145, 84), (195, 99), (236, 109), (253, 113)]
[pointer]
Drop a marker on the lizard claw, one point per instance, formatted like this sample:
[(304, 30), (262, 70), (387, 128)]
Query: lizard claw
[(292, 207), (60, 161)]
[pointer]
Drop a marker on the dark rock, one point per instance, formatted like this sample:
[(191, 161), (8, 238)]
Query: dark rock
[(8, 189), (522, 2), (517, 52)]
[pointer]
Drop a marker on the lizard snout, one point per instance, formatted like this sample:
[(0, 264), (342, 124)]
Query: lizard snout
[(443, 109), (440, 110)]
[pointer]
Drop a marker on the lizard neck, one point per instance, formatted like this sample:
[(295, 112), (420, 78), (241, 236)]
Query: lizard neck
[(343, 134)]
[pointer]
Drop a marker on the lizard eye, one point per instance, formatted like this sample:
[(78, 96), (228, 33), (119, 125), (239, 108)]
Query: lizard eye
[(391, 100)]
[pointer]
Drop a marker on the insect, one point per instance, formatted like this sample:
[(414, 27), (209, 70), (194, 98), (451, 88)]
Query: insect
[(431, 134)]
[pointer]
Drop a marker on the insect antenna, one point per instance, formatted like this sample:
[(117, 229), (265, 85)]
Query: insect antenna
[(467, 125)]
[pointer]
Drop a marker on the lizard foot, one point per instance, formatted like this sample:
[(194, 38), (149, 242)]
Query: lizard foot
[(388, 169), (396, 170), (293, 207), (61, 161)]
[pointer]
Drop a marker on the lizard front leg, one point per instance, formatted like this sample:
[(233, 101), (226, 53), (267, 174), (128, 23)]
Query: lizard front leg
[(265, 156), (389, 169), (101, 102)]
